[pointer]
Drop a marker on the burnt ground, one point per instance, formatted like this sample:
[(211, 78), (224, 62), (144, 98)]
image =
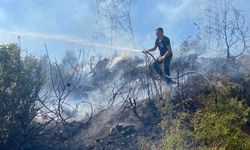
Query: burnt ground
[(127, 129), (107, 131)]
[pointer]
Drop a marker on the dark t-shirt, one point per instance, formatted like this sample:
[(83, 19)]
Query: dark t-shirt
[(162, 44)]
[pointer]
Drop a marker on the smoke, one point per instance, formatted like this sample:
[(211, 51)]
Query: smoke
[(95, 92), (69, 40)]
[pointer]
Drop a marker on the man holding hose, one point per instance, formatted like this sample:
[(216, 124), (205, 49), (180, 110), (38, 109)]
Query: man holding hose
[(163, 44)]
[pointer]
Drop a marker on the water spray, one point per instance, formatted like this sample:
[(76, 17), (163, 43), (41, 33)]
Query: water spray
[(67, 39)]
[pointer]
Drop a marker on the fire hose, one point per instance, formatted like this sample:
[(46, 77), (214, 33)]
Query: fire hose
[(187, 73)]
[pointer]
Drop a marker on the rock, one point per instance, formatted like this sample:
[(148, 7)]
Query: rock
[(123, 129)]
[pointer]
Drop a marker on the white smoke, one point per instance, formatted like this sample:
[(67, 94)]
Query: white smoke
[(68, 39)]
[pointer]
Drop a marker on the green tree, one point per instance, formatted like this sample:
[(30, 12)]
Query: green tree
[(20, 83)]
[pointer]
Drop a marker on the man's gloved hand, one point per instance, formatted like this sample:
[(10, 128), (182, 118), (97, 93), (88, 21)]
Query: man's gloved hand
[(161, 58)]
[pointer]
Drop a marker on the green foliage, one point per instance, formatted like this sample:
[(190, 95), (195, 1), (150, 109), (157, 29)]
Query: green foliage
[(221, 126), (176, 137), (210, 127), (20, 83)]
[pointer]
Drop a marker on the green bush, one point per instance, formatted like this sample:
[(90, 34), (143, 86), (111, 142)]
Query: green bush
[(211, 127), (221, 126), (176, 137), (20, 83)]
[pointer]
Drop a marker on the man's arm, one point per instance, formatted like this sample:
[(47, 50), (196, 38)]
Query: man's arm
[(169, 51), (152, 49)]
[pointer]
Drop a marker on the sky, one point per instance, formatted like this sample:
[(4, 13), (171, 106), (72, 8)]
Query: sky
[(77, 19)]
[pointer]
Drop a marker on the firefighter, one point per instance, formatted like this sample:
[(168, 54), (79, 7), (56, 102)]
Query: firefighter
[(162, 42)]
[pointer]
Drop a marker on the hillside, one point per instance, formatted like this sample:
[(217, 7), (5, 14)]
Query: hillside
[(207, 108)]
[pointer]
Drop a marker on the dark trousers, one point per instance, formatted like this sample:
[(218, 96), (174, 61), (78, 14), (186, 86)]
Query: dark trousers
[(166, 62)]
